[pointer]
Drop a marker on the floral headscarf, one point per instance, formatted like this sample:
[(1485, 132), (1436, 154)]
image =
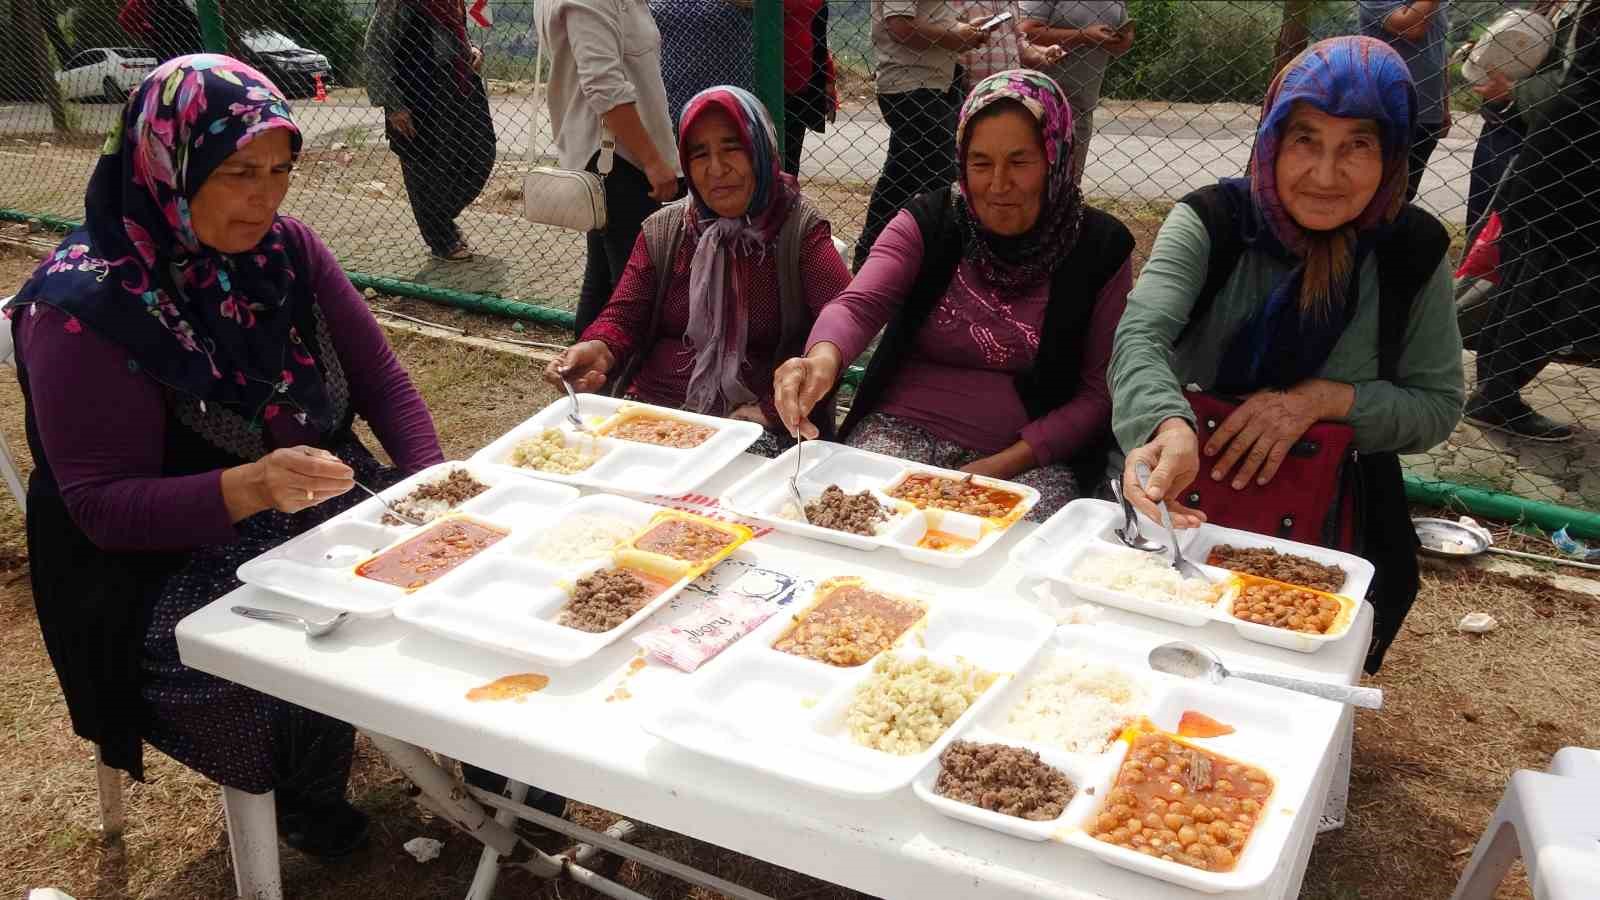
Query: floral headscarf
[(214, 326), (719, 275), (1291, 335), (1028, 259)]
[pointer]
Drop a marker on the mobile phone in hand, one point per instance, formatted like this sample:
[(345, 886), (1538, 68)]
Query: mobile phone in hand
[(995, 22), (1125, 27)]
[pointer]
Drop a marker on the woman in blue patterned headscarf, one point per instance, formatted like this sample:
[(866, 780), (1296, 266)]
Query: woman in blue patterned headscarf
[(191, 364), (1309, 293)]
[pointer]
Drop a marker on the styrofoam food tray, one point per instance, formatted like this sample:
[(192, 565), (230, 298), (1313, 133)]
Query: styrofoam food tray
[(1274, 730), (784, 715), (1085, 526), (764, 494), (318, 567), (627, 466), (511, 603)]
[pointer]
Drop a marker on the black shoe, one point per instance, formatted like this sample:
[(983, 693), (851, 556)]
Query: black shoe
[(325, 832), (1513, 416)]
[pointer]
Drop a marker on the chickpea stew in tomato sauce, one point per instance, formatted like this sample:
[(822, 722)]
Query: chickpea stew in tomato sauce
[(661, 431), (963, 495), (1179, 803), (1278, 605), (684, 539)]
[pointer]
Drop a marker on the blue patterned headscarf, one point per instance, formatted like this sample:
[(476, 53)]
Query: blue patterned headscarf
[(217, 327), (1291, 335)]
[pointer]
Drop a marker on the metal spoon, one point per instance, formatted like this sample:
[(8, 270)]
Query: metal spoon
[(1129, 534), (1186, 660), (572, 414), (313, 629), (1185, 568), (404, 517)]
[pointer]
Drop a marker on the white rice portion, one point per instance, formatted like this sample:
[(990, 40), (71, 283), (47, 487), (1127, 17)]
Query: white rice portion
[(1075, 705), (583, 538), (1144, 575)]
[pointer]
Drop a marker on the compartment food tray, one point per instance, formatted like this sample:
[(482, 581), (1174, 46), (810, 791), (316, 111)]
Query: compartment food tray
[(626, 466), (784, 715), (764, 496), (1085, 527), (318, 567)]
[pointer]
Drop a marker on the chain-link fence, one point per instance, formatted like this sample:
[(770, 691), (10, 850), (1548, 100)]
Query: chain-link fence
[(1174, 86)]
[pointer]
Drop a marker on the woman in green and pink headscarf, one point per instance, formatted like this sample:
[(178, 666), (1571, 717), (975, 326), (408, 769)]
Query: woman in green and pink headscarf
[(1000, 294)]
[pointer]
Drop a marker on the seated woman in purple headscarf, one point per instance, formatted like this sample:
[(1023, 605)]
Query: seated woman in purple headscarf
[(721, 285), (1314, 293), (998, 297), (191, 363)]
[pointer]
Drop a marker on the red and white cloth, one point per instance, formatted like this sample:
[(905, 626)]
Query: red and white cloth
[(478, 11), (1004, 50)]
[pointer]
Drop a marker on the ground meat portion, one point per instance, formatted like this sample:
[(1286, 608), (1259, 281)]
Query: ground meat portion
[(1007, 780), (435, 498), (858, 513), (604, 600), (1264, 562)]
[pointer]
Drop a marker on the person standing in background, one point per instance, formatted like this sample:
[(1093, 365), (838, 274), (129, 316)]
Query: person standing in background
[(917, 43), (1092, 33), (810, 90), (423, 71), (1008, 47), (1504, 102), (605, 84), (1417, 31), (704, 43)]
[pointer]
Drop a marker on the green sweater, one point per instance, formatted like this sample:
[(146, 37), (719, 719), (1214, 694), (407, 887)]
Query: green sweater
[(1147, 378)]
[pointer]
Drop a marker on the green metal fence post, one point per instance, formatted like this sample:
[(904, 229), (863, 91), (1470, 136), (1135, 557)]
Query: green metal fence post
[(769, 60), (211, 32)]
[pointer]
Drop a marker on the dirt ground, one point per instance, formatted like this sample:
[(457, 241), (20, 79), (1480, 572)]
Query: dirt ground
[(1462, 712)]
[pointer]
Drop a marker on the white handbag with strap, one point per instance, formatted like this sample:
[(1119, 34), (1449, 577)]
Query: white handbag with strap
[(566, 198)]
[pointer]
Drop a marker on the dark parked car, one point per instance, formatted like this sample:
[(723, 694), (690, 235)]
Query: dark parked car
[(293, 68)]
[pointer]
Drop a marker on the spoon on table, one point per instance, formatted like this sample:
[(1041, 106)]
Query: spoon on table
[(1187, 660), (1185, 568), (404, 517), (313, 629), (1129, 534)]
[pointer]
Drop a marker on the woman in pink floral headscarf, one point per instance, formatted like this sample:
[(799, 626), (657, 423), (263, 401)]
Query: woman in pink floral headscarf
[(191, 364)]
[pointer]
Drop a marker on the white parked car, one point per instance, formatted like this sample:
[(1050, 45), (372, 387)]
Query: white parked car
[(108, 73)]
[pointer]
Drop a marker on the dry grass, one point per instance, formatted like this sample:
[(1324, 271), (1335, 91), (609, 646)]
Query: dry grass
[(1463, 712)]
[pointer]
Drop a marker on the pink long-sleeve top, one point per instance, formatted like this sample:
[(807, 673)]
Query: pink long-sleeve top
[(103, 423), (958, 381), (663, 375)]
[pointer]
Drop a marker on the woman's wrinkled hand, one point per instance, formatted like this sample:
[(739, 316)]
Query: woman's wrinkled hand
[(584, 365), (800, 383), (1173, 458), (1257, 437)]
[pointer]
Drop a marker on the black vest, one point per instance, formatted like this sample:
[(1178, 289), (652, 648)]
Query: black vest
[(1103, 246)]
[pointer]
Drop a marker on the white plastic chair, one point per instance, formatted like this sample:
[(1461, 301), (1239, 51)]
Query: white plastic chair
[(1546, 818), (8, 465)]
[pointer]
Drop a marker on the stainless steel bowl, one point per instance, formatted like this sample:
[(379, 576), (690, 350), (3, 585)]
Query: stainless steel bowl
[(1451, 540)]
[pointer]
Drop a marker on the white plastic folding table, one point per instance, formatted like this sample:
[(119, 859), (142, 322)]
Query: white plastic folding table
[(581, 737)]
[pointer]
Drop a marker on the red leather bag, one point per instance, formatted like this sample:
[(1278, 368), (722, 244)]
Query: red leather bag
[(1313, 499)]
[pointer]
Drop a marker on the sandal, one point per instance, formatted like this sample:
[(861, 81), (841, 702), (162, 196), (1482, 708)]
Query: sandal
[(459, 253)]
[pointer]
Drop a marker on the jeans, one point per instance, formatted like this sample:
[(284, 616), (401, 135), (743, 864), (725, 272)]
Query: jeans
[(921, 155), (1424, 138), (1497, 146), (628, 204)]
